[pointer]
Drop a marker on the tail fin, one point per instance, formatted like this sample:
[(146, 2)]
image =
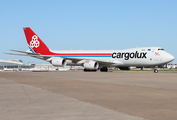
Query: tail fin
[(35, 43)]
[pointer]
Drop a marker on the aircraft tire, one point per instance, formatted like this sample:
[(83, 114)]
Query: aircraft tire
[(155, 71), (87, 70), (104, 69)]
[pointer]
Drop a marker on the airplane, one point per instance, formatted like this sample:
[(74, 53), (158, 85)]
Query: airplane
[(92, 60)]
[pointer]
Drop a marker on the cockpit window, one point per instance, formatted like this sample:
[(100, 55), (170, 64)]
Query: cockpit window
[(160, 49)]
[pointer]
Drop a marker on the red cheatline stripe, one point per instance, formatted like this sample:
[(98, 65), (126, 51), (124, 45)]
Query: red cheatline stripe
[(84, 53)]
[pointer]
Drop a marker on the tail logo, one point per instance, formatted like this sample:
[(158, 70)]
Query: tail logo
[(34, 42)]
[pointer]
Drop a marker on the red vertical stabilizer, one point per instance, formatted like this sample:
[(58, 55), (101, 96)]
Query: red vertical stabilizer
[(34, 42)]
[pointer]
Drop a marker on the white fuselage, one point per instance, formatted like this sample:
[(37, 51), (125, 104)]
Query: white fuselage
[(142, 56)]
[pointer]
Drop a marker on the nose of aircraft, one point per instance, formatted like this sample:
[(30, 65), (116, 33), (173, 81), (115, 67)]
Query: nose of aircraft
[(170, 57)]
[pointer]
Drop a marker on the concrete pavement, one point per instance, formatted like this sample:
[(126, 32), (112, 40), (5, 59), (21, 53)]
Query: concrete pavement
[(24, 102), (96, 95)]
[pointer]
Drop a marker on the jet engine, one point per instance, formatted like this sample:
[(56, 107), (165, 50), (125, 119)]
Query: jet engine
[(58, 62), (91, 65)]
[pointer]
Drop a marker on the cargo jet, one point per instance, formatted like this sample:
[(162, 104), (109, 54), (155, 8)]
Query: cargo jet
[(93, 60)]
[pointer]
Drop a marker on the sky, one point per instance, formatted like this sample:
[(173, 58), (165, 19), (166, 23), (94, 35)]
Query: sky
[(88, 25)]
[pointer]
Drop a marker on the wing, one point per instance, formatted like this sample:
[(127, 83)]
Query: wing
[(101, 62), (79, 61)]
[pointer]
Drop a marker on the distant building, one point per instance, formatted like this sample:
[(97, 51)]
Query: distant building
[(172, 65), (14, 64), (8, 62)]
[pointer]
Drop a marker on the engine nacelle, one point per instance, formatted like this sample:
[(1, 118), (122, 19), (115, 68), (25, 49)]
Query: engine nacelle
[(91, 65), (58, 62)]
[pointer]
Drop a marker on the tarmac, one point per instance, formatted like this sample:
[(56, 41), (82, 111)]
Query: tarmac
[(77, 95)]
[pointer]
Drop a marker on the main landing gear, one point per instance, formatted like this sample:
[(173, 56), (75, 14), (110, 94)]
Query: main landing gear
[(104, 69), (87, 70)]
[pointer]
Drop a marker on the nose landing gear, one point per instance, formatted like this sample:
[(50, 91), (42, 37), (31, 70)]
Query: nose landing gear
[(155, 71)]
